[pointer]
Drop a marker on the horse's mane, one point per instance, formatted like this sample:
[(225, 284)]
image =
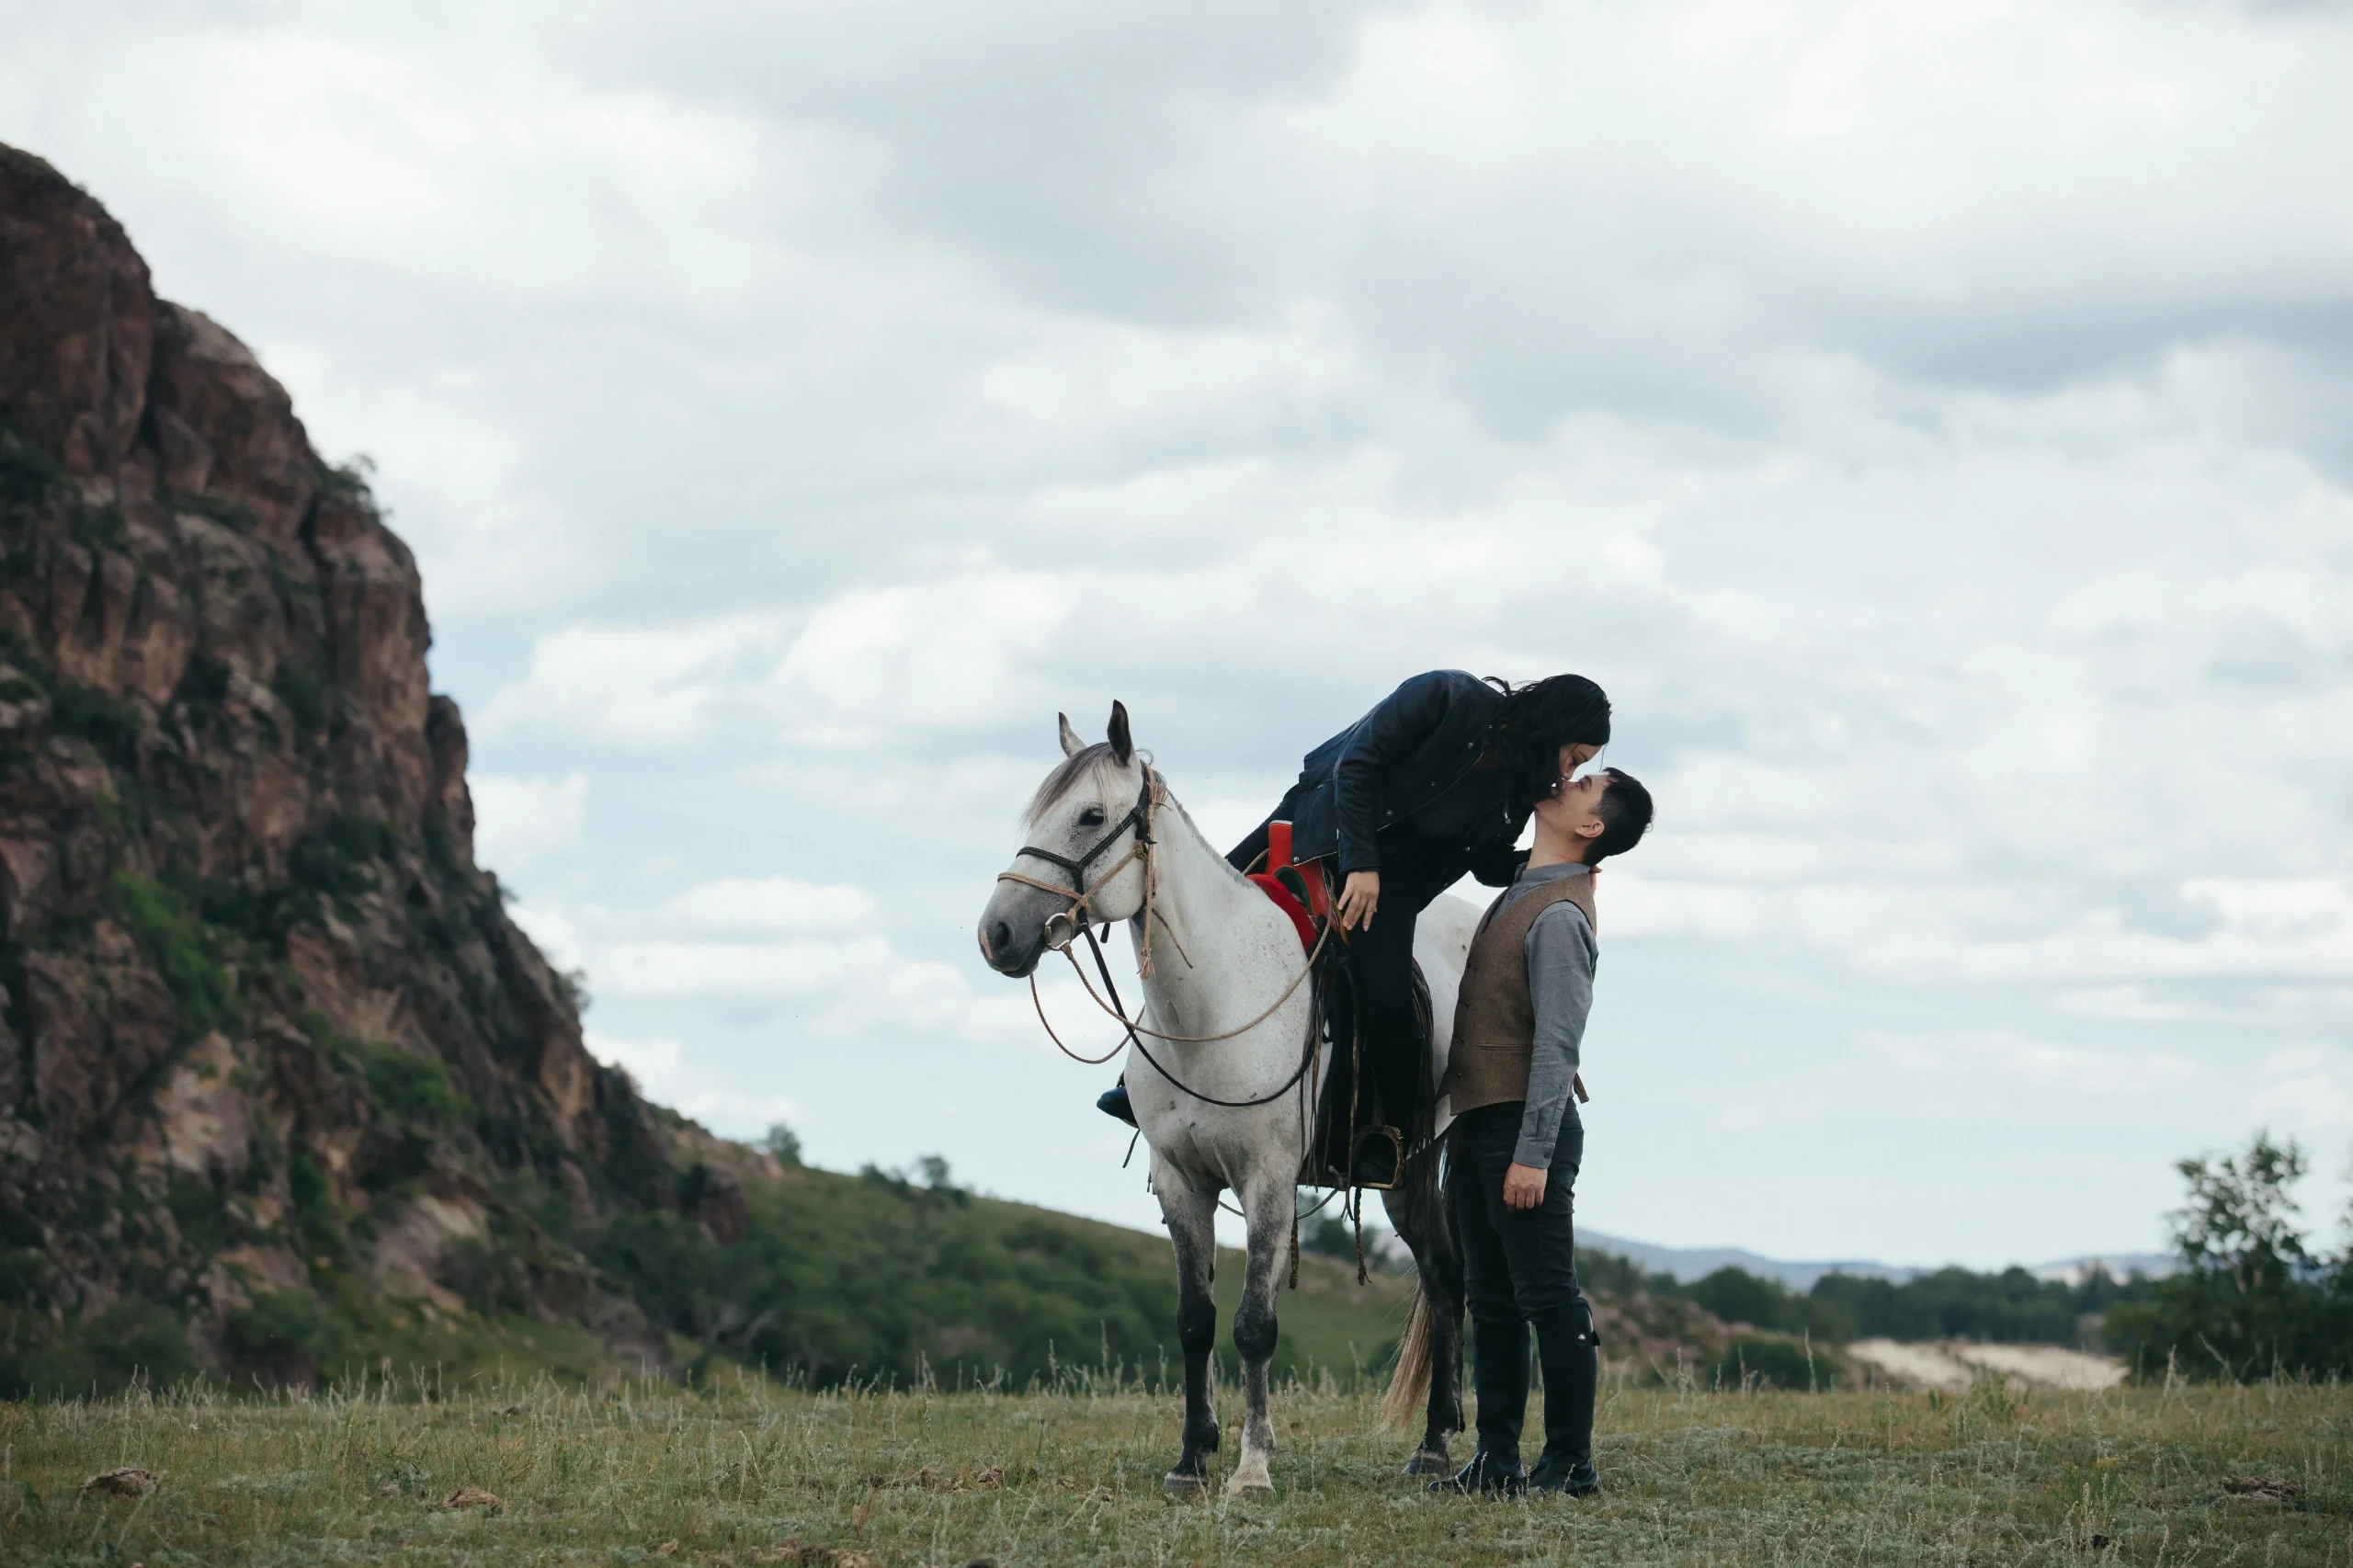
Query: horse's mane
[(1086, 762), (1093, 763)]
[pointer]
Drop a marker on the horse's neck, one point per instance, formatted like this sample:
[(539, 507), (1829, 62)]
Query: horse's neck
[(1207, 913)]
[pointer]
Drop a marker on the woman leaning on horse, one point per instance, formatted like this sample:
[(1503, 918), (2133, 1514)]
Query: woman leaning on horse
[(1438, 780)]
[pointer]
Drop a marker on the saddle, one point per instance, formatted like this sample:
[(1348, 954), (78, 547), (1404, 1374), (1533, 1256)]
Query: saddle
[(1349, 1114)]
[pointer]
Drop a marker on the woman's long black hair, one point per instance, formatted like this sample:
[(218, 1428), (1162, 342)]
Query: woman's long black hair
[(1538, 719)]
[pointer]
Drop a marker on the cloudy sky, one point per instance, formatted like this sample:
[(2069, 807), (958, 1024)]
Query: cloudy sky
[(1929, 421)]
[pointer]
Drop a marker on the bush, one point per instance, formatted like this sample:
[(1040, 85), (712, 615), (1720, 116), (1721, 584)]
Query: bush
[(2011, 1307), (131, 1341), (220, 508), (28, 474), (1737, 1296), (98, 529), (287, 1338), (181, 947), (2252, 1298), (877, 1276), (205, 683), (415, 1089), (109, 723), (1773, 1361), (339, 860), (304, 697)]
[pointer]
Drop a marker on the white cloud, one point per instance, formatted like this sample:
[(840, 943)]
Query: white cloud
[(667, 1073), (519, 821), (816, 954), (630, 689), (2309, 1090), (770, 905), (2130, 1003), (2007, 1067)]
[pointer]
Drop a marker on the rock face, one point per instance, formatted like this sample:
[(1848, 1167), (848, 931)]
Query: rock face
[(268, 1030)]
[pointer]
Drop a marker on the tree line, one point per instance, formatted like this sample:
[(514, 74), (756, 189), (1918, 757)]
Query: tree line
[(2012, 1306), (2254, 1296)]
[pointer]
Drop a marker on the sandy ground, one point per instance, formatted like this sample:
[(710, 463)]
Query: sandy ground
[(1954, 1363)]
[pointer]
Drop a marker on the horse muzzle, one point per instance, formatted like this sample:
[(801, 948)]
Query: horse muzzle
[(1005, 953)]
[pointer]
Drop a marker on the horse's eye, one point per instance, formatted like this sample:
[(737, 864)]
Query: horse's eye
[(1091, 817)]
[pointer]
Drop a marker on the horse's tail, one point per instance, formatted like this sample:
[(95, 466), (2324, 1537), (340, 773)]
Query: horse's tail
[(1434, 1247), (1409, 1383)]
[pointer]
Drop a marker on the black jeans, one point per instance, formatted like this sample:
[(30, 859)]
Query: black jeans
[(1519, 1268), (1518, 1264), (1415, 869)]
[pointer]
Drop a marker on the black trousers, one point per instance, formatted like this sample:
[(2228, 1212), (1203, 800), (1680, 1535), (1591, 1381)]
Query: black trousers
[(1518, 1264), (1519, 1269), (1415, 869)]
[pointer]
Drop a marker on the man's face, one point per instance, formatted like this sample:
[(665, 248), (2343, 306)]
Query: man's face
[(1575, 808)]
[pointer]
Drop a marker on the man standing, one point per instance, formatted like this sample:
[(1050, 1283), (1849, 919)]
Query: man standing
[(1516, 1140)]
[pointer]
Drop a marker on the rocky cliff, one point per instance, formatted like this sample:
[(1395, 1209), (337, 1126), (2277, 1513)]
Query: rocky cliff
[(272, 1055)]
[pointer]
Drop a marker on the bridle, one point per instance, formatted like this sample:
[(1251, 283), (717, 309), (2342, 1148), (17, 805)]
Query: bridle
[(1149, 796)]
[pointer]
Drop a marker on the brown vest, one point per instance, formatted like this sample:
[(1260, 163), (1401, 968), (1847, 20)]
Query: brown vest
[(1494, 1017)]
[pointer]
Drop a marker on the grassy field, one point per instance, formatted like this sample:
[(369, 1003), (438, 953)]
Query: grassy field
[(753, 1473)]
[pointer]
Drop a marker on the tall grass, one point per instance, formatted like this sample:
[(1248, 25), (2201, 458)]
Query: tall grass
[(1068, 1468)]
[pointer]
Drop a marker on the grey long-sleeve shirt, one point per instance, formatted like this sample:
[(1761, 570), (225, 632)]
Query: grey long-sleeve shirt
[(1562, 953)]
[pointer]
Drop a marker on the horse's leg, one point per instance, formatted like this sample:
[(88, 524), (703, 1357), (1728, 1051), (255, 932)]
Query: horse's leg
[(1425, 1223), (1191, 1216), (1268, 1208)]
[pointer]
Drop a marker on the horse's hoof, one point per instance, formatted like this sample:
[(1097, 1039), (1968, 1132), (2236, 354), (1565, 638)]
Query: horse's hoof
[(1184, 1483), (1429, 1461), (1238, 1487)]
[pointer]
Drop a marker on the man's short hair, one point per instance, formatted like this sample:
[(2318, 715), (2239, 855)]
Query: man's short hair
[(1625, 813)]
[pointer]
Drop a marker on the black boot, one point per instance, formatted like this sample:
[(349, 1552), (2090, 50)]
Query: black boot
[(1486, 1474), (1569, 1348), (1499, 1375), (1114, 1102)]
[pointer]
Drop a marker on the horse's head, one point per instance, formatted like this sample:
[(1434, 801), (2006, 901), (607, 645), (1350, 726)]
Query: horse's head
[(1082, 839)]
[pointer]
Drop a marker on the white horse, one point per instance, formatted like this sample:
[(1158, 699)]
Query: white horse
[(1225, 1084)]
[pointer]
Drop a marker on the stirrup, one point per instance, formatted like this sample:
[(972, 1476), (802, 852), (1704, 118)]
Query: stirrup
[(1397, 1151)]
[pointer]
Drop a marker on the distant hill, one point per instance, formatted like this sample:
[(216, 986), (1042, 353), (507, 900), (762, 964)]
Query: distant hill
[(833, 1277), (2118, 1264), (1688, 1264)]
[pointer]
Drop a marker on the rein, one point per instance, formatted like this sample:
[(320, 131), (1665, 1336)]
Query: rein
[(1136, 1030), (1148, 797)]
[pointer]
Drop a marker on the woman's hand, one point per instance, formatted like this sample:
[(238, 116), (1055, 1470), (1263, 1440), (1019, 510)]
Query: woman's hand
[(1523, 1186), (1359, 896)]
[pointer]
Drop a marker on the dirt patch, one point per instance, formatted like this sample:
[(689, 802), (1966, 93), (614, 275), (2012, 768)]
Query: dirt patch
[(1957, 1364)]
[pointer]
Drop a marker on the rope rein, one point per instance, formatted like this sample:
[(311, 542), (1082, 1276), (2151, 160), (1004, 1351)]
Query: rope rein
[(1202, 1038)]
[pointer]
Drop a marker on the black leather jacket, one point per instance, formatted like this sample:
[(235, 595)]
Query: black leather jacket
[(1398, 758)]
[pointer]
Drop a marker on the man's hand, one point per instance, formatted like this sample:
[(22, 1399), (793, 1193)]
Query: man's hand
[(1523, 1186), (1359, 896)]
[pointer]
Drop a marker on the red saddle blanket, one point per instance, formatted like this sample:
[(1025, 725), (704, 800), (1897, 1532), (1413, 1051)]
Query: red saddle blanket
[(1298, 892)]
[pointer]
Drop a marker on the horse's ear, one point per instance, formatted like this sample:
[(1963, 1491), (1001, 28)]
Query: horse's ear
[(1123, 745), (1071, 743)]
